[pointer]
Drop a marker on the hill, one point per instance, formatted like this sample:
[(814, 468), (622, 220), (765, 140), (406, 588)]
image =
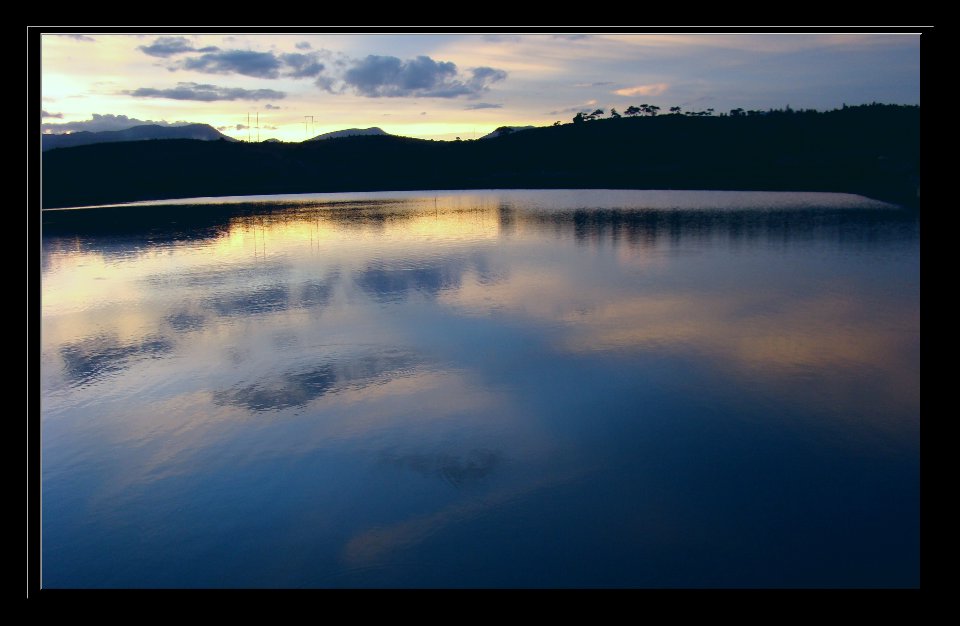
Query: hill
[(505, 130), (202, 132), (349, 132), (870, 150)]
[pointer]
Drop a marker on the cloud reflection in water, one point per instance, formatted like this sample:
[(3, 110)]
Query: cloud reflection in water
[(302, 388), (298, 388), (90, 360)]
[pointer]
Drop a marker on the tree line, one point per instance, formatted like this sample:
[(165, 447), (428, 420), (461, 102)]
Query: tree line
[(652, 110), (649, 110)]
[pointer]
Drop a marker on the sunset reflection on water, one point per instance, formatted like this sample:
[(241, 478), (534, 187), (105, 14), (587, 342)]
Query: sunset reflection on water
[(613, 388)]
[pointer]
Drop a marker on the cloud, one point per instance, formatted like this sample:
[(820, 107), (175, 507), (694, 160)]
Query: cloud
[(390, 77), (487, 74), (246, 62), (482, 105), (575, 109), (271, 107), (326, 83), (643, 90), (79, 37), (45, 115), (602, 83), (206, 93), (250, 63), (108, 121), (167, 46), (502, 38), (374, 76), (301, 65), (698, 101), (243, 127), (569, 37), (303, 45)]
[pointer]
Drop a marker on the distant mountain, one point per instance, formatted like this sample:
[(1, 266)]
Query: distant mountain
[(203, 132), (506, 130), (349, 132)]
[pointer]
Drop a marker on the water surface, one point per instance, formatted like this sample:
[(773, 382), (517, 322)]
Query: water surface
[(507, 389)]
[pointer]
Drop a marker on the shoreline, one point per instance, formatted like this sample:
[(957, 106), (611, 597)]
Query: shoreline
[(899, 201), (872, 152)]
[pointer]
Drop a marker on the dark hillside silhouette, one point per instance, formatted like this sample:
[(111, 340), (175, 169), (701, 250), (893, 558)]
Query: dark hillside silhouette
[(201, 132), (871, 150)]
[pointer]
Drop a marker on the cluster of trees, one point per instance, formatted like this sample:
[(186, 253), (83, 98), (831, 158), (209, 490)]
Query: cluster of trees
[(643, 109), (651, 110)]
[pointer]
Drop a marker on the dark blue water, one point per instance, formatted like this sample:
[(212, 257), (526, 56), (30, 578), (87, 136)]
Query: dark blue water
[(483, 389)]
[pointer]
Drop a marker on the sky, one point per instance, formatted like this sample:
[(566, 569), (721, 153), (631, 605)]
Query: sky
[(442, 86)]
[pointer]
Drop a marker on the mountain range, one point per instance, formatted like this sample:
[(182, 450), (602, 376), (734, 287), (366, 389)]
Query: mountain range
[(202, 132), (205, 132)]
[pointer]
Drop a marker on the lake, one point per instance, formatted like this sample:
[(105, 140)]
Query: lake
[(646, 389)]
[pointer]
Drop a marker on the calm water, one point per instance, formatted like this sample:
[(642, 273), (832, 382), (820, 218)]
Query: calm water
[(507, 389)]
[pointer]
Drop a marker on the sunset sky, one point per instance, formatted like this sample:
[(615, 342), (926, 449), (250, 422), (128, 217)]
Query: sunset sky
[(441, 86)]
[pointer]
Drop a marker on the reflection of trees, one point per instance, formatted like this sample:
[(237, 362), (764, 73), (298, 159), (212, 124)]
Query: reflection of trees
[(646, 228), (123, 226), (116, 231), (119, 229), (507, 218)]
